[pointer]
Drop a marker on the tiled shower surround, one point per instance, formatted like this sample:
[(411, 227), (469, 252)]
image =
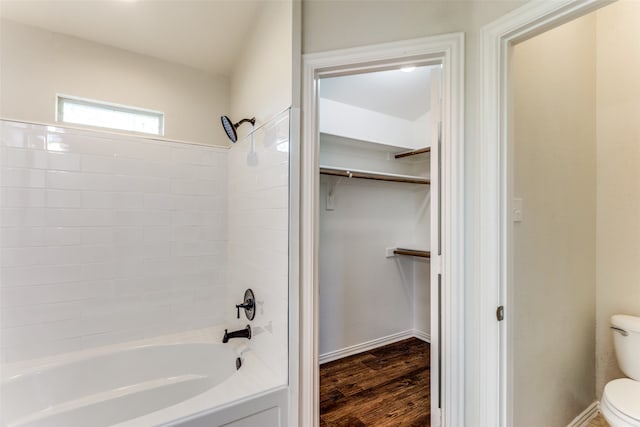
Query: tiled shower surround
[(258, 237), (107, 238)]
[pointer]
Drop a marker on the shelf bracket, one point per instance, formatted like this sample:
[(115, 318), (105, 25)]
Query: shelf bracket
[(412, 152)]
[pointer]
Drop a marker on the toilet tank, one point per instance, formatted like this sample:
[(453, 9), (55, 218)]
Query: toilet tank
[(627, 347)]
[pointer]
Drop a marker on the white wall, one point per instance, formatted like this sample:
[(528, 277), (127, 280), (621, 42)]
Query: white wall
[(261, 80), (258, 238), (328, 25), (422, 297), (353, 122), (553, 287), (364, 295), (356, 154), (618, 212), (37, 64), (107, 239)]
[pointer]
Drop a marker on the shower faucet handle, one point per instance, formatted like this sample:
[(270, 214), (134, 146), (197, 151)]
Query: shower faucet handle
[(246, 305), (249, 305)]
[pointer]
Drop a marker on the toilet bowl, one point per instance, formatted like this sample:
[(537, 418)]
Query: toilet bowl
[(620, 403)]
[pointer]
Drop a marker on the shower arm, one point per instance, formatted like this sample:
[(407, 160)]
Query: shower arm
[(251, 120)]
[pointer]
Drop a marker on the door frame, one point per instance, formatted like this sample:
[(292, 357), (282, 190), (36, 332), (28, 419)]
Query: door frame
[(448, 50), (494, 228)]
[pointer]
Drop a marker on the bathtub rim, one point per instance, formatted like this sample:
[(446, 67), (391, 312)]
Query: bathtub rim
[(209, 335), (183, 411)]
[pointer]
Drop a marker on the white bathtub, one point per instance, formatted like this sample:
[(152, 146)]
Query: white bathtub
[(145, 383)]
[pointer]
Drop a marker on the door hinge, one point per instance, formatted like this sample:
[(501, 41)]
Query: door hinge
[(500, 313), (436, 263)]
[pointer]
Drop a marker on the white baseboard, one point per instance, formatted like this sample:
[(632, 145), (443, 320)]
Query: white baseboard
[(370, 345), (586, 416), (421, 335)]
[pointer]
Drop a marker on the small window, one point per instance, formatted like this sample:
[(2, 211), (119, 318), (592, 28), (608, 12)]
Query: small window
[(110, 116)]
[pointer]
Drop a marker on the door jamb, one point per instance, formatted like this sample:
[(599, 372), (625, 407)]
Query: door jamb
[(449, 50), (494, 194)]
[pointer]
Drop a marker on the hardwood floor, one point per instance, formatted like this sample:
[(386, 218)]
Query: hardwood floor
[(598, 421), (387, 386)]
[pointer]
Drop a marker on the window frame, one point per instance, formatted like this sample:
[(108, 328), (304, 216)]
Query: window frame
[(61, 99)]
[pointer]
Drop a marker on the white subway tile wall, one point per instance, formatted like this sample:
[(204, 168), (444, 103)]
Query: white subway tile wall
[(106, 239), (258, 237)]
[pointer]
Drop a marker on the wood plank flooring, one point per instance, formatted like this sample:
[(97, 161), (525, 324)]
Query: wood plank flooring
[(387, 386), (598, 421)]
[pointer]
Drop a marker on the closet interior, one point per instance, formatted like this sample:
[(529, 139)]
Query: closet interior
[(376, 135)]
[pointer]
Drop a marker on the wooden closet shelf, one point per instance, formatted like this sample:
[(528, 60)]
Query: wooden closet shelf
[(373, 175), (412, 152), (412, 252)]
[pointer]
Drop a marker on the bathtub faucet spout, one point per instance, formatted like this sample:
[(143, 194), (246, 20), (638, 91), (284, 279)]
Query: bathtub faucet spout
[(242, 333)]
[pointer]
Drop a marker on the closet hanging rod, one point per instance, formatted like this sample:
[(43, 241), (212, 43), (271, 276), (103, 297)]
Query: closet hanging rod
[(412, 252), (375, 176), (412, 152)]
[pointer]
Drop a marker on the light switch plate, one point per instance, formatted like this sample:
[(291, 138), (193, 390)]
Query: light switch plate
[(516, 210)]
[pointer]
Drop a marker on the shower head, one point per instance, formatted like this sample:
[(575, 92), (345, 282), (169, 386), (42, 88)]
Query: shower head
[(230, 127)]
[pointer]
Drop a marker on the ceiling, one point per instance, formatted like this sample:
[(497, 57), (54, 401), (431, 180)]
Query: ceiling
[(203, 34), (394, 92)]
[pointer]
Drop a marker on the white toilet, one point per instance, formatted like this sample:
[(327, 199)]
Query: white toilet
[(620, 403)]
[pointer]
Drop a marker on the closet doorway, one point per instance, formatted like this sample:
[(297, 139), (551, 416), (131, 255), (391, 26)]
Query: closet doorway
[(378, 151), (381, 235)]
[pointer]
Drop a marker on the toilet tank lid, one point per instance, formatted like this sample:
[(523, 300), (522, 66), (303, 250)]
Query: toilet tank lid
[(626, 322)]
